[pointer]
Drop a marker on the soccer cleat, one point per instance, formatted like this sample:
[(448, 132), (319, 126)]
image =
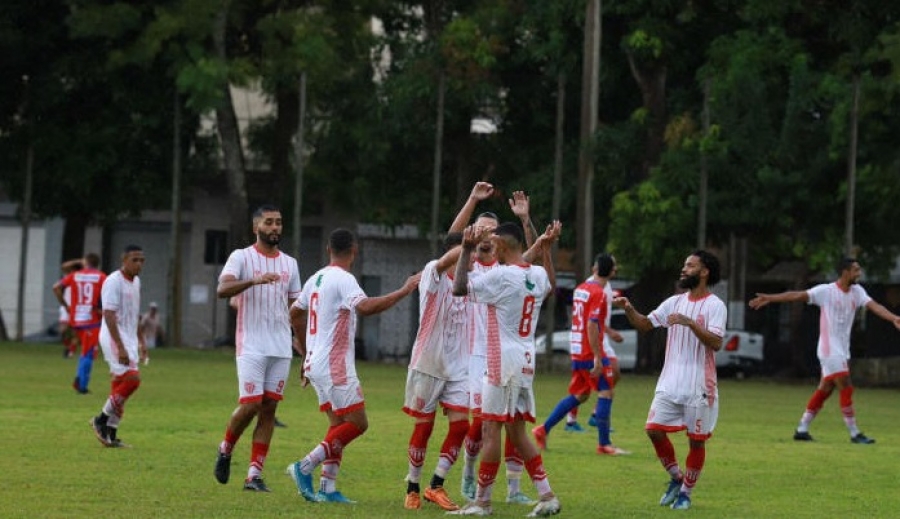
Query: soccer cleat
[(468, 488), (862, 438), (334, 497), (520, 499), (100, 431), (592, 421), (256, 484), (412, 501), (117, 443), (540, 436), (683, 502), (279, 423), (611, 450), (223, 467), (472, 509), (574, 427), (439, 497), (671, 494), (303, 482), (546, 508), (803, 436)]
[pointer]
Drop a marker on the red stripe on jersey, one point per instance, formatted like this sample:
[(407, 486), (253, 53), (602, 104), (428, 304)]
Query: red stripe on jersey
[(493, 347), (337, 358)]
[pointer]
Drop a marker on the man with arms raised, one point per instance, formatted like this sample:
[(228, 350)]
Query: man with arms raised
[(513, 293)]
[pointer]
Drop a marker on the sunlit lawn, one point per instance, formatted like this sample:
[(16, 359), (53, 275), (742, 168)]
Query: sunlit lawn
[(53, 467)]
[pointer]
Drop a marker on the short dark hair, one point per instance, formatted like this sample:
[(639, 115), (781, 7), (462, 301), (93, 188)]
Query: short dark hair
[(265, 208), (605, 263), (512, 230), (845, 263), (92, 259), (711, 262), (132, 248), (452, 240), (341, 241), (488, 214)]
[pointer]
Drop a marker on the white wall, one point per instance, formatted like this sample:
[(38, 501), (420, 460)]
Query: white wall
[(35, 286)]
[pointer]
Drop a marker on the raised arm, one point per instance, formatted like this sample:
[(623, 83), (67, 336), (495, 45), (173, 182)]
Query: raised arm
[(378, 304), (762, 300), (481, 191), (471, 237), (521, 207)]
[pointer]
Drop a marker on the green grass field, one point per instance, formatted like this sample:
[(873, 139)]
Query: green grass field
[(52, 465)]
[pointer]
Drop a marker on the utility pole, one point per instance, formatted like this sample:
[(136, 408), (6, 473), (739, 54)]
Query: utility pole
[(298, 184), (590, 100)]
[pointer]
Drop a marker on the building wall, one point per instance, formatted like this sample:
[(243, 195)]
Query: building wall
[(385, 263), (40, 304)]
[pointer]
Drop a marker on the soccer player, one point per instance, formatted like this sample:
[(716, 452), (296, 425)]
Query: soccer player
[(83, 305), (839, 302), (687, 394), (264, 282), (513, 293), (324, 322), (66, 333), (484, 261), (121, 343), (438, 375), (590, 365)]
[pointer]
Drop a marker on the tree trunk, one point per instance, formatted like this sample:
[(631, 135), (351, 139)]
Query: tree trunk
[(286, 121), (651, 80), (230, 140), (74, 230), (590, 95), (797, 344)]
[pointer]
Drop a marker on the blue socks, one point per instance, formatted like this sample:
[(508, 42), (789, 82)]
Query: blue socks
[(560, 411), (85, 366), (602, 413)]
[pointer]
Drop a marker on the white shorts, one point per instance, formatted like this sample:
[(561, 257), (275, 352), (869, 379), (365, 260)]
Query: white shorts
[(111, 356), (834, 367), (424, 392), (341, 399), (698, 416), (477, 366), (260, 375), (508, 403)]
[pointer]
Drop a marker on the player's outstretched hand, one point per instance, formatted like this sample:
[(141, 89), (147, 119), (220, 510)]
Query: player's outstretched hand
[(621, 302), (520, 204), (482, 191), (759, 301)]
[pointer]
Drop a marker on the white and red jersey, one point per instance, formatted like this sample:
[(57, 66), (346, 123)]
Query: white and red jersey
[(689, 371), (122, 296), (263, 320), (478, 317), (330, 298), (442, 342), (836, 318), (606, 344), (83, 295), (513, 295)]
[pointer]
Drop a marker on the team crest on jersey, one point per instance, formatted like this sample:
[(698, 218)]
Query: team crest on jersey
[(285, 276), (701, 322), (528, 284), (249, 387)]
